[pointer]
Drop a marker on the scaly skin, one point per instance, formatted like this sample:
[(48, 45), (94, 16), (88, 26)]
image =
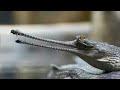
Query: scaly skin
[(98, 54), (74, 71)]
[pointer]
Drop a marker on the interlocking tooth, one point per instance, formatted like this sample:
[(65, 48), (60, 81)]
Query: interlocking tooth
[(16, 32), (46, 46)]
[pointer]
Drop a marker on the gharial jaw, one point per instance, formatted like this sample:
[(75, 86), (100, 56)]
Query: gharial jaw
[(97, 54)]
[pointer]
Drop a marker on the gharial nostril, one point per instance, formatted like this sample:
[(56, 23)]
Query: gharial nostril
[(14, 31)]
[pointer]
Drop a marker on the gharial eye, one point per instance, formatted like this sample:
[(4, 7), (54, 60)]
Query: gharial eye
[(81, 38), (82, 43)]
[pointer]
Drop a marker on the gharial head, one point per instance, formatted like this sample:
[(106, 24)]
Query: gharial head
[(97, 54)]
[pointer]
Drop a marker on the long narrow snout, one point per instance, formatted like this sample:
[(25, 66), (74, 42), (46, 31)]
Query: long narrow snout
[(70, 46)]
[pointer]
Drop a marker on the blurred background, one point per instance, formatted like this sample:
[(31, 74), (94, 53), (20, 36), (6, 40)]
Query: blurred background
[(28, 62)]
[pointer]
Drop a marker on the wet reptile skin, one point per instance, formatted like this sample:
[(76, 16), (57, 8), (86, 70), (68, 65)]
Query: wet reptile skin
[(97, 54)]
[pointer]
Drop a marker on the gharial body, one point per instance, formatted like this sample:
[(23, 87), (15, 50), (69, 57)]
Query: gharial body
[(101, 58)]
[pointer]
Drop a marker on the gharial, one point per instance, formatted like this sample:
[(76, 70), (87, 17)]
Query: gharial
[(102, 58)]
